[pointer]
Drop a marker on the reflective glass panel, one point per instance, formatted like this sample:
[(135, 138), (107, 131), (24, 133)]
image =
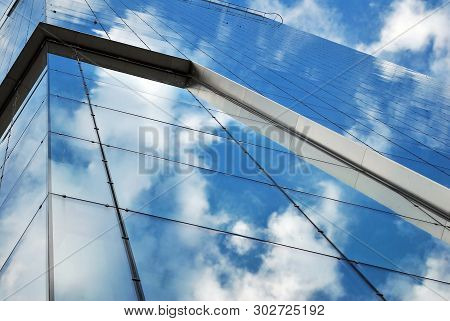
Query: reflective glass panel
[(77, 169), (22, 202), (89, 254), (24, 275), (217, 266)]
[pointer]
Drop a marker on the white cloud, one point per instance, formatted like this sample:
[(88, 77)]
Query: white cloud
[(240, 244), (312, 16), (433, 32), (23, 277), (319, 18), (378, 136), (283, 274), (400, 287)]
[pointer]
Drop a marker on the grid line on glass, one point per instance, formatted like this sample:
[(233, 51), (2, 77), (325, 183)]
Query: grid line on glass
[(127, 247)]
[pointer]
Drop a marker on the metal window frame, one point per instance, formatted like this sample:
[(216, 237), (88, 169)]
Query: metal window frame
[(390, 183)]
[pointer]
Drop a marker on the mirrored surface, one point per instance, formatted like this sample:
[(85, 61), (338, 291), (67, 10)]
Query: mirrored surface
[(242, 215), (218, 266), (399, 113), (22, 201), (24, 275), (89, 255), (258, 189)]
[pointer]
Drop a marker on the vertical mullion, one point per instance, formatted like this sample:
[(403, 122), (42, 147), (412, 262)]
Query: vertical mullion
[(98, 20), (126, 241), (50, 249), (297, 207), (6, 154)]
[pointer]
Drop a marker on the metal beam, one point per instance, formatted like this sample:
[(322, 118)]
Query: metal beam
[(91, 49), (404, 191)]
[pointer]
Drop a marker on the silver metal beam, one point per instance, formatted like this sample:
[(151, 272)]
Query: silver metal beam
[(404, 191), (391, 184)]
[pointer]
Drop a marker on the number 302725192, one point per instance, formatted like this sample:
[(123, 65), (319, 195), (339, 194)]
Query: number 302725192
[(287, 309)]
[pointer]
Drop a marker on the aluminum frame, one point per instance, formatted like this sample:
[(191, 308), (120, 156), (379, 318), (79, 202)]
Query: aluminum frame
[(404, 191)]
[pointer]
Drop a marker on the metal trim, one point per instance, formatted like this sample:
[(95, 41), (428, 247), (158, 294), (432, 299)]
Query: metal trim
[(391, 178), (374, 175)]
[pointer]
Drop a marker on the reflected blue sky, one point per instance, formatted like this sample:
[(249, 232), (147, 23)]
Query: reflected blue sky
[(395, 111), (238, 203)]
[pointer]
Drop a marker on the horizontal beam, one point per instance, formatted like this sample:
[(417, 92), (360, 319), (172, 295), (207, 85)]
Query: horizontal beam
[(391, 184), (404, 191), (91, 49)]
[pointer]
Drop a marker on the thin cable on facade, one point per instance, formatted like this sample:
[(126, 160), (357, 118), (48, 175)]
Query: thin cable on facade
[(235, 9)]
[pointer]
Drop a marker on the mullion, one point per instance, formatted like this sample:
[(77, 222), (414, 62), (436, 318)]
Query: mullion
[(127, 246), (302, 212), (312, 109), (175, 221), (248, 179)]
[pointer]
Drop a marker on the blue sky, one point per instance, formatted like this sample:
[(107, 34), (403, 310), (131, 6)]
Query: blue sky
[(368, 25), (231, 198)]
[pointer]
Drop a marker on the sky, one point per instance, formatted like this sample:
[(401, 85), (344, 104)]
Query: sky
[(370, 25), (214, 266)]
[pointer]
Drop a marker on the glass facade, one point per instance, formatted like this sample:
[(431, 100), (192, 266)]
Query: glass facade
[(121, 188)]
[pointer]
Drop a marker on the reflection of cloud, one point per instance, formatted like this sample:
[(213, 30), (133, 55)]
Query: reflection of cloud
[(331, 210), (248, 271), (25, 196), (240, 244), (23, 277), (90, 260), (436, 266), (193, 204), (431, 32), (378, 132), (77, 170), (307, 15)]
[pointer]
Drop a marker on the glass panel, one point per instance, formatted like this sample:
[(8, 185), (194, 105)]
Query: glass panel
[(371, 236), (63, 64), (395, 286), (67, 85), (72, 118), (150, 99), (175, 143), (24, 275), (22, 202), (32, 138), (77, 169), (171, 190), (3, 146), (16, 29), (80, 17), (179, 262), (89, 254), (28, 112)]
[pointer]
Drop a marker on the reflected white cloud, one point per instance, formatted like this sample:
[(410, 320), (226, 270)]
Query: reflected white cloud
[(308, 15), (374, 133), (24, 276), (210, 272), (241, 245), (437, 266), (430, 32)]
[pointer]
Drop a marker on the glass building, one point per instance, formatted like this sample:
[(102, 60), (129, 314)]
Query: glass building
[(197, 150)]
